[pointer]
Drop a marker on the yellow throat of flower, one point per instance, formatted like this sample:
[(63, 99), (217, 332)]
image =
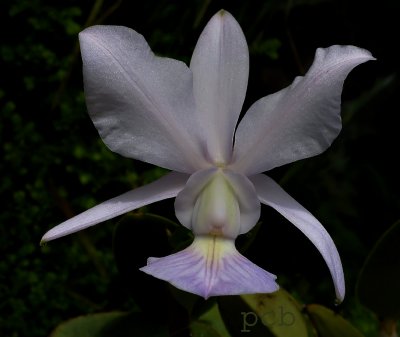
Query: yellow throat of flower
[(216, 210)]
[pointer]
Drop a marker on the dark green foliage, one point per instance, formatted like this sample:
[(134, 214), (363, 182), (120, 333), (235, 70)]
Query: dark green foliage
[(54, 165), (329, 323), (382, 265)]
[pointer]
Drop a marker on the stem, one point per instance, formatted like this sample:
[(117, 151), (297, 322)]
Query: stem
[(292, 44), (84, 239), (92, 19), (201, 13), (388, 328)]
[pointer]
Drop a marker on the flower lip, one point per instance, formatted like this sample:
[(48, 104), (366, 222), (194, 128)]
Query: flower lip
[(211, 266)]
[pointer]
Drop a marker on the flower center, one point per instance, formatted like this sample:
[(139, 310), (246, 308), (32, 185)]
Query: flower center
[(216, 210), (218, 202)]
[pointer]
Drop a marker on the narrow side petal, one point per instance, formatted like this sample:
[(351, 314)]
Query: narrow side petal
[(220, 66), (271, 194), (163, 188), (212, 266), (299, 121), (142, 105)]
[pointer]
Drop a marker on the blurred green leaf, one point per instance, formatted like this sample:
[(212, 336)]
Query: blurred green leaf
[(88, 325), (240, 319), (136, 238), (268, 47), (279, 312), (203, 329), (210, 324), (352, 107), (244, 242), (330, 324), (378, 286), (110, 324), (180, 237), (185, 299)]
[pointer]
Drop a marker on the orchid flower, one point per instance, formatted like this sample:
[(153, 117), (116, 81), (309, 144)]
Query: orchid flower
[(160, 111)]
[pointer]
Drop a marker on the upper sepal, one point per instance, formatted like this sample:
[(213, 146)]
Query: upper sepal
[(220, 66)]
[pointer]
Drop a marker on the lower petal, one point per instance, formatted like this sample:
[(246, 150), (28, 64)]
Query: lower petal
[(211, 266), (166, 187), (271, 194)]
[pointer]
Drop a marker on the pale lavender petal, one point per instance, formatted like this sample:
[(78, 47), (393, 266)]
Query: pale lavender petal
[(212, 266), (163, 188), (243, 192), (220, 66), (300, 121), (141, 104), (270, 193)]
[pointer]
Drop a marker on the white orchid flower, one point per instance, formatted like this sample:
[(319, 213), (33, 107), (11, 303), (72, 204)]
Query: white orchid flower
[(160, 111)]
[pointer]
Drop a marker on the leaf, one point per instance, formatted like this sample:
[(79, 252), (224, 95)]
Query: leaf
[(268, 47), (277, 314), (244, 242), (201, 329), (109, 324), (378, 286), (329, 324), (209, 324), (280, 312), (136, 238), (240, 319)]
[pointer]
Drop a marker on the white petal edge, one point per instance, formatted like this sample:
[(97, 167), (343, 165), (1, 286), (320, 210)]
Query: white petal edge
[(220, 66), (166, 187), (141, 104), (211, 266), (271, 194), (299, 121)]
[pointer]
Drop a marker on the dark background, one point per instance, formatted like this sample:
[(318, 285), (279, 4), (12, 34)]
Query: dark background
[(54, 165)]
